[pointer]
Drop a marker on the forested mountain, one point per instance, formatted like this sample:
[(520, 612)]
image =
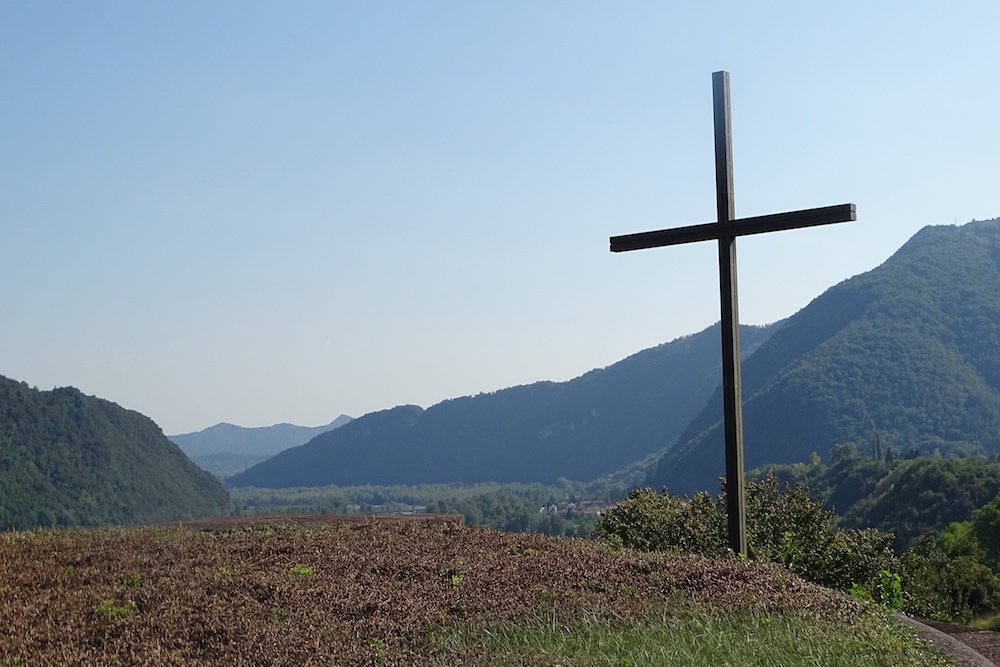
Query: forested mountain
[(907, 354), (226, 449), (67, 459), (904, 496), (580, 429)]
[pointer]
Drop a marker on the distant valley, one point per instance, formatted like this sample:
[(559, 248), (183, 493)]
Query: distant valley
[(908, 353), (226, 449), (599, 423), (902, 360)]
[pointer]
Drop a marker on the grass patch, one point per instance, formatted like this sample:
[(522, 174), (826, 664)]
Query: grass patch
[(110, 609), (987, 622), (696, 640)]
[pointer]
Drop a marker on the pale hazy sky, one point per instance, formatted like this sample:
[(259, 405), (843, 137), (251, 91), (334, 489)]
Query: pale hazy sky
[(281, 212)]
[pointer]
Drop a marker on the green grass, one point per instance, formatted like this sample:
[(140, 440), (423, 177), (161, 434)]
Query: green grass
[(112, 610), (987, 622), (695, 640)]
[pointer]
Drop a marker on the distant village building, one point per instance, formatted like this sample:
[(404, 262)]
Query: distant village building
[(583, 507)]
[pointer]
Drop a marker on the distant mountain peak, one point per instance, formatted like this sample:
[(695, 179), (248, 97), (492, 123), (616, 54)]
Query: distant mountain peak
[(225, 449)]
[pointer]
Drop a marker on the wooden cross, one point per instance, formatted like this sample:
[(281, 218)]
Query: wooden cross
[(725, 230)]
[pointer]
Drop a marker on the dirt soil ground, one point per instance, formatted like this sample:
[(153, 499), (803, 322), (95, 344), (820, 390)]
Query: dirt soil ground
[(984, 642)]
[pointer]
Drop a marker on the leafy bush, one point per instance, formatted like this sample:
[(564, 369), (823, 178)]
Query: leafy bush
[(783, 526), (985, 526), (972, 588), (958, 540), (774, 512), (888, 590), (923, 592), (843, 558), (650, 521), (946, 578), (942, 576)]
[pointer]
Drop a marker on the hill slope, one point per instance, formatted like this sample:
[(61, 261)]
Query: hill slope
[(226, 449), (406, 593), (907, 497), (908, 353), (68, 459), (580, 429)]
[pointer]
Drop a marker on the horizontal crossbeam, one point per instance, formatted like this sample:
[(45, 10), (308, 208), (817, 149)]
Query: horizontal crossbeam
[(740, 227)]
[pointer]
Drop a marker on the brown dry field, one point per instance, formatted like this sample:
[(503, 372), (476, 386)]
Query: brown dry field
[(225, 593)]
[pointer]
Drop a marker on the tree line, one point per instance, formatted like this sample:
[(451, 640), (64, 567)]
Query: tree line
[(566, 508)]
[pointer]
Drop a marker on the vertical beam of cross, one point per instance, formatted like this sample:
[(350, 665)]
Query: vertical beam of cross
[(725, 230), (732, 383)]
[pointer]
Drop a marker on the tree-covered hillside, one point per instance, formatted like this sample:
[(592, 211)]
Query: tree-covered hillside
[(926, 494), (908, 353), (903, 496), (581, 429), (67, 459)]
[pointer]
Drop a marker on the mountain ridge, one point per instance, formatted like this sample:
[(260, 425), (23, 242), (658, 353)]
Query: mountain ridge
[(225, 449), (583, 428), (908, 352), (265, 440)]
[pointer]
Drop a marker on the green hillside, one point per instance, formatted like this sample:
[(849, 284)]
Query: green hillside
[(908, 353), (67, 459), (904, 496), (926, 494), (581, 429)]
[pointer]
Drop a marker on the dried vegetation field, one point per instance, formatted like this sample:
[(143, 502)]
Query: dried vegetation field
[(361, 592)]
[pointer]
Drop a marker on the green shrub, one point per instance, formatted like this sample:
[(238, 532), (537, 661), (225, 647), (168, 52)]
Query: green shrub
[(942, 580), (888, 590), (650, 521), (941, 577), (959, 539), (972, 587), (923, 593), (842, 558), (985, 526), (779, 516), (783, 526)]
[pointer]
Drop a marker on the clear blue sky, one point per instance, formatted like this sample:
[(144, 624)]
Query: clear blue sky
[(270, 212)]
